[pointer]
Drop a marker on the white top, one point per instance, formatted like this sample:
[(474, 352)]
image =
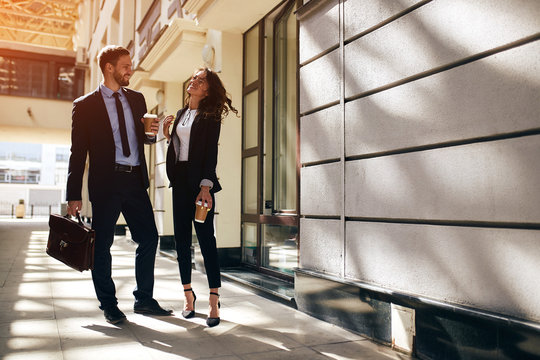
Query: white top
[(183, 130)]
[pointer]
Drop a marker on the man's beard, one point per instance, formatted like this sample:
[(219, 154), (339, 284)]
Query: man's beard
[(120, 79)]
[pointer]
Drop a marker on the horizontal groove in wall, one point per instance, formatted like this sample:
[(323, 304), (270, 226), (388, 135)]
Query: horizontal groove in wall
[(320, 55), (319, 108), (386, 22), (430, 72), (455, 308), (447, 67), (321, 217), (442, 145), (459, 223), (321, 162)]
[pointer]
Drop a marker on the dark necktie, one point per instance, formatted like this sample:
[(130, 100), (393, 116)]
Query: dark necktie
[(122, 125)]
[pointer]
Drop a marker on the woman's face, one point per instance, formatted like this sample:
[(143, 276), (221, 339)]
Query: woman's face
[(198, 85)]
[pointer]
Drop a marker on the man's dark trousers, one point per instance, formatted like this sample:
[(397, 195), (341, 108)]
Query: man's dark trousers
[(129, 197)]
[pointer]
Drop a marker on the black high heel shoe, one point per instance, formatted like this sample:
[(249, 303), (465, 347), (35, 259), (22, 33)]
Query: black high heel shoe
[(190, 313), (211, 322)]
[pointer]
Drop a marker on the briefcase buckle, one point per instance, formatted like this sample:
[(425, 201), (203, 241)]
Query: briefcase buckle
[(63, 244)]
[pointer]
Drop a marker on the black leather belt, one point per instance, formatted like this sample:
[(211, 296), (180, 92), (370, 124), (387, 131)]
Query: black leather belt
[(126, 168)]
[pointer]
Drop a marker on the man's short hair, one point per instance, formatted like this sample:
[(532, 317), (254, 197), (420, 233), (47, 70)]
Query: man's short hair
[(110, 54)]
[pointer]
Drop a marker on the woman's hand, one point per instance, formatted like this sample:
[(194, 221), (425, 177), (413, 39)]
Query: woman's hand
[(166, 124), (204, 196)]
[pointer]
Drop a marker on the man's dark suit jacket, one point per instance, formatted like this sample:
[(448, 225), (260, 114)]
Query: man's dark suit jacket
[(91, 134), (203, 151)]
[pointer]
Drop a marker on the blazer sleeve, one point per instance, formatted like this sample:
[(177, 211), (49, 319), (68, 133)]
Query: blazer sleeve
[(212, 138), (79, 150)]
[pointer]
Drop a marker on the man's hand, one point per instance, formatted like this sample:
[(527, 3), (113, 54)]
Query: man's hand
[(154, 126), (74, 207)]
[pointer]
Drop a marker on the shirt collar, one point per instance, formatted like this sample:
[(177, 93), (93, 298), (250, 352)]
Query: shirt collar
[(108, 92)]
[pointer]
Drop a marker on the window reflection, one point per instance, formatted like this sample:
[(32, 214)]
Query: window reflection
[(66, 80), (249, 246), (249, 195), (280, 248)]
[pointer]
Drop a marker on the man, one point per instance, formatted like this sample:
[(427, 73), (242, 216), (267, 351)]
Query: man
[(107, 125)]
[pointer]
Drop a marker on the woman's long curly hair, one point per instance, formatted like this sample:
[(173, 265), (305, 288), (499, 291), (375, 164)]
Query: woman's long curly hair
[(217, 104)]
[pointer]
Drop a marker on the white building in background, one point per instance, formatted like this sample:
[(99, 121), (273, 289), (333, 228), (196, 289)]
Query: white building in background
[(34, 173)]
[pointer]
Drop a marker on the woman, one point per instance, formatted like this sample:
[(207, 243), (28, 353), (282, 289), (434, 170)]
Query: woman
[(191, 168)]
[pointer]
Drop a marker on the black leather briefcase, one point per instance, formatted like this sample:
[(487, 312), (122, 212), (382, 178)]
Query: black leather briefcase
[(71, 242)]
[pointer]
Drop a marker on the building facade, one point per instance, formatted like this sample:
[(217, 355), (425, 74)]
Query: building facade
[(419, 138), (384, 161)]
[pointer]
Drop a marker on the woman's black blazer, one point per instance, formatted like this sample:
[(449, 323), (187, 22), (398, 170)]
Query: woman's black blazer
[(203, 151)]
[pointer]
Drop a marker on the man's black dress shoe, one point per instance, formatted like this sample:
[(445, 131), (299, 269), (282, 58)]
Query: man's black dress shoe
[(113, 315), (150, 307)]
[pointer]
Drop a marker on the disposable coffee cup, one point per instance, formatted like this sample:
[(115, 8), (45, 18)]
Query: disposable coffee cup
[(201, 211), (148, 120)]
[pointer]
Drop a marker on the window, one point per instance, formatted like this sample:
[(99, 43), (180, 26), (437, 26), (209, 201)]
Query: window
[(24, 176), (269, 143), (284, 122), (62, 154), (29, 78), (20, 152), (23, 74)]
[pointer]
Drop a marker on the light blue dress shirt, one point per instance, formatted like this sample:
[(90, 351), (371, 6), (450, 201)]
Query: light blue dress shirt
[(110, 104)]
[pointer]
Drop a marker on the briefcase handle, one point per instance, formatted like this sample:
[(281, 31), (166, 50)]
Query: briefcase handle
[(67, 216)]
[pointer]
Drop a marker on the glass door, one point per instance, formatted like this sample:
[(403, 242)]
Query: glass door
[(270, 144), (251, 149)]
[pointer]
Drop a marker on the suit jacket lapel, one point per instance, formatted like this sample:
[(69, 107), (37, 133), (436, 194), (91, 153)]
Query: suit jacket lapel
[(177, 120), (194, 129), (102, 114)]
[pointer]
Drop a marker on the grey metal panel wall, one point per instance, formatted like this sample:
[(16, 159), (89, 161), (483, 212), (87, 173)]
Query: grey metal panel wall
[(420, 137)]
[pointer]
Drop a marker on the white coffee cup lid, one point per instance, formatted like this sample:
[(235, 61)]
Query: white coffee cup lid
[(150, 116)]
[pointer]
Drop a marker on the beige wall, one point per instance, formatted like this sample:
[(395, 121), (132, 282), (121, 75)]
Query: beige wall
[(229, 164), (35, 117), (35, 135)]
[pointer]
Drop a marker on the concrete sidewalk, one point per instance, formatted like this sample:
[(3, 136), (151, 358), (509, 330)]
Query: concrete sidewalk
[(49, 311)]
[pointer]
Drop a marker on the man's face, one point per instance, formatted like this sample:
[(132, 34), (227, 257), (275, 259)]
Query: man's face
[(122, 70)]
